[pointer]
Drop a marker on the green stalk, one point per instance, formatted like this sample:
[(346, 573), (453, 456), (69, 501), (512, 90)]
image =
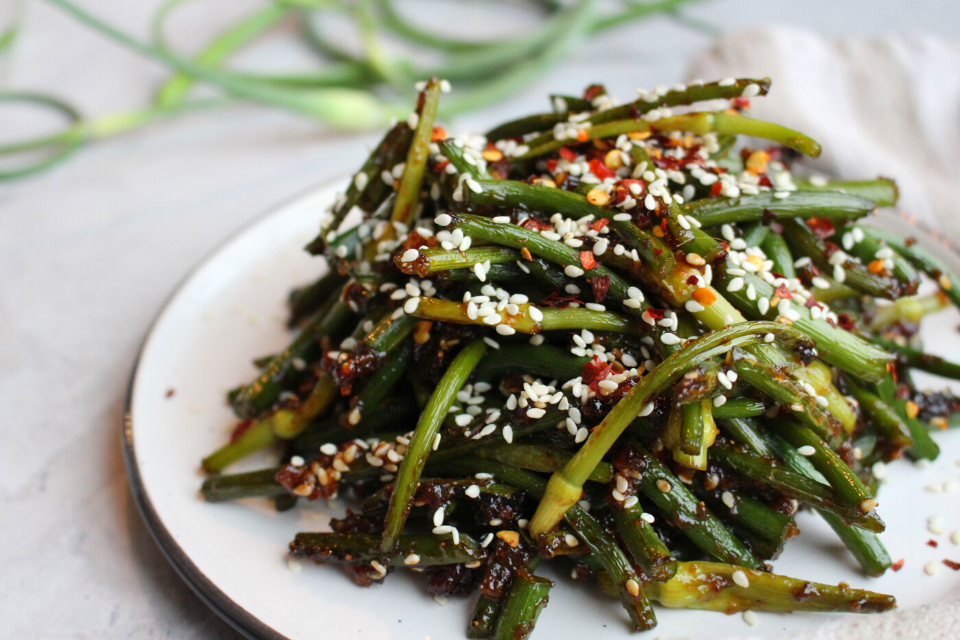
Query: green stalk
[(553, 318), (865, 546), (527, 598), (882, 191), (709, 586), (712, 212), (408, 194), (696, 522), (794, 485), (423, 437), (363, 548), (739, 408), (565, 486), (253, 484), (645, 546), (825, 460), (174, 91)]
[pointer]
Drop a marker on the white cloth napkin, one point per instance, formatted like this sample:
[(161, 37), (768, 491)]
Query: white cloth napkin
[(885, 106)]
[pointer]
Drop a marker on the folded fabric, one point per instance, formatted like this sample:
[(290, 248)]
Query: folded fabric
[(886, 106)]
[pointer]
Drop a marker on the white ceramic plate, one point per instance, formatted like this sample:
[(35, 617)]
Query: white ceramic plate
[(231, 309)]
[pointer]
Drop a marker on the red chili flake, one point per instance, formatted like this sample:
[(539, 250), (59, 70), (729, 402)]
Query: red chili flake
[(693, 280), (593, 91), (567, 154), (740, 103), (932, 543), (810, 302), (953, 565), (716, 189), (657, 252), (656, 314), (240, 429), (663, 224), (626, 184), (438, 134), (845, 322), (441, 165), (536, 224), (587, 260), (552, 165), (822, 227), (170, 393), (784, 293), (910, 242), (600, 170), (594, 370), (600, 284), (896, 566), (599, 224), (557, 301), (765, 182)]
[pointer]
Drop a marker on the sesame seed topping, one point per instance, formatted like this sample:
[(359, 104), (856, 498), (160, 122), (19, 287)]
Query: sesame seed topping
[(806, 450), (740, 579)]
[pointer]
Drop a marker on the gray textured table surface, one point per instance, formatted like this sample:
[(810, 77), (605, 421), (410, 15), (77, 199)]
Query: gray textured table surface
[(90, 251)]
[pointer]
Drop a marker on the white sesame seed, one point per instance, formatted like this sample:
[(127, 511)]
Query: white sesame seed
[(535, 413), (740, 579), (806, 450), (609, 385), (505, 330), (571, 540), (719, 401), (955, 537), (410, 306), (443, 219), (582, 434), (750, 90), (735, 285), (669, 339), (293, 565), (749, 616), (935, 525), (724, 380), (931, 568), (726, 82), (647, 410), (507, 430), (410, 255), (728, 499), (473, 491), (622, 217), (573, 271), (438, 517), (329, 449), (693, 306), (768, 338), (647, 517)]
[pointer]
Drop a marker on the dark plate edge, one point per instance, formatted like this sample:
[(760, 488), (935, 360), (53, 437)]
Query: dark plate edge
[(235, 615)]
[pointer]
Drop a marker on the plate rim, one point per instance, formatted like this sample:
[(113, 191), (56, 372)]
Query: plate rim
[(239, 618)]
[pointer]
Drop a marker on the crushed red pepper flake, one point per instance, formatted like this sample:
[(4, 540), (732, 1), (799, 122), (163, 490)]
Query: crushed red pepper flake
[(567, 154), (170, 393), (822, 227), (601, 170), (438, 134), (552, 165), (953, 565), (896, 566), (600, 285), (784, 293), (599, 224), (587, 260), (932, 543), (716, 189)]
